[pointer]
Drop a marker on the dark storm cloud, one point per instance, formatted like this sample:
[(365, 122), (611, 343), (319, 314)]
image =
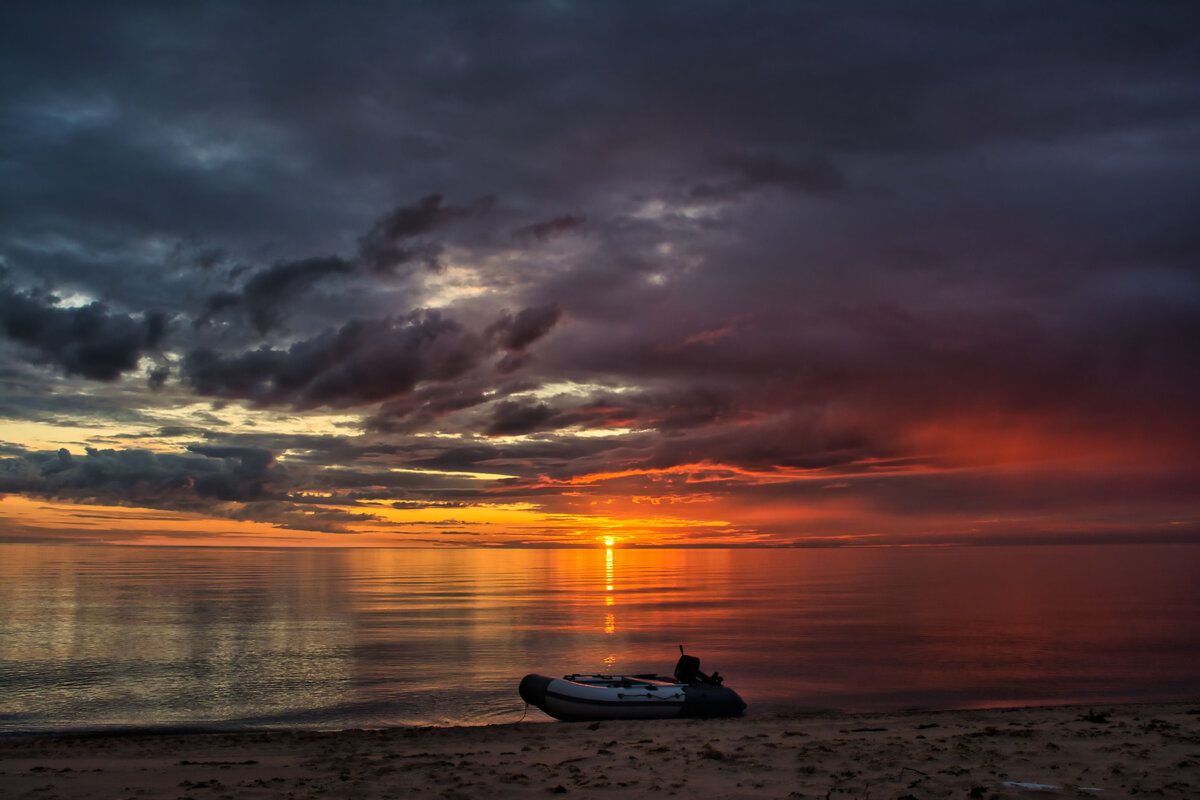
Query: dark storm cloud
[(161, 480), (267, 291), (216, 304), (682, 408), (366, 362), (252, 462), (667, 412), (430, 405), (815, 174), (551, 228), (238, 479), (511, 419), (305, 287), (157, 377), (361, 362), (389, 242), (89, 341), (529, 325), (295, 517)]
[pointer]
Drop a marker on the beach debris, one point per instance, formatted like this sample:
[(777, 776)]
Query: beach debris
[(1046, 787), (1027, 785), (924, 776)]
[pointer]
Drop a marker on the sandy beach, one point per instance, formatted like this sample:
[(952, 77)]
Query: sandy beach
[(1097, 751)]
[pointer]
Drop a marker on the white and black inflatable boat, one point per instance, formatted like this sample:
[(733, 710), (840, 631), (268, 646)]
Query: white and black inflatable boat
[(577, 698)]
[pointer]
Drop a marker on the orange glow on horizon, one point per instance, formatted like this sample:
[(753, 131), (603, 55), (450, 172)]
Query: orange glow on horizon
[(711, 472), (486, 525), (1008, 461)]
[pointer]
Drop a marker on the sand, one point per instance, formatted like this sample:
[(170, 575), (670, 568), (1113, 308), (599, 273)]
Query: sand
[(1098, 751)]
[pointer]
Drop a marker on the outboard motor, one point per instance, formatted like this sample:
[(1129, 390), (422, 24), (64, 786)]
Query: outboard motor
[(704, 696), (687, 670)]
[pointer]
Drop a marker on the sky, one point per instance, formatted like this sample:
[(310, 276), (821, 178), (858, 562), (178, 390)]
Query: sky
[(559, 273)]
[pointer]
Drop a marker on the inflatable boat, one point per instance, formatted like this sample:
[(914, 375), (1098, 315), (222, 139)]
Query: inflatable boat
[(577, 698)]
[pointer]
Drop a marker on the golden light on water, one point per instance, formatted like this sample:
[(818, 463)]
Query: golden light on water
[(608, 569), (610, 620)]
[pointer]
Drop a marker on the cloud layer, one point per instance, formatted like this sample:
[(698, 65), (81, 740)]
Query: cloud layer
[(688, 272)]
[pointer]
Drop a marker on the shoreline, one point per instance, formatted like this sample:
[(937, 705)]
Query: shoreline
[(1075, 750)]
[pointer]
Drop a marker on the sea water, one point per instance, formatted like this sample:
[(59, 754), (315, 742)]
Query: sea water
[(98, 637)]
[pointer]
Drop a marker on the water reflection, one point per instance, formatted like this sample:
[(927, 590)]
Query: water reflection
[(610, 619), (101, 636), (93, 636), (608, 572)]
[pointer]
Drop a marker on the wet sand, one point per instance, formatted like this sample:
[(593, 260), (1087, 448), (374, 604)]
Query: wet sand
[(1098, 751)]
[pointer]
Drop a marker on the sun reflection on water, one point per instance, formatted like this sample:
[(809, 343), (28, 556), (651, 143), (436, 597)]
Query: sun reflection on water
[(610, 619)]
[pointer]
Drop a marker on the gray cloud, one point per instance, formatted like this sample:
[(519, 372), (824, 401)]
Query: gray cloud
[(160, 480), (89, 340), (509, 418), (389, 242), (268, 290), (753, 170), (526, 327), (550, 228), (359, 363)]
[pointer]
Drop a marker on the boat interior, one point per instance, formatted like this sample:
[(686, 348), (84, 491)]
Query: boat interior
[(622, 681)]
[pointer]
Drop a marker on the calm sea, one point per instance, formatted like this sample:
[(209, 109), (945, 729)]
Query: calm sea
[(92, 637)]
